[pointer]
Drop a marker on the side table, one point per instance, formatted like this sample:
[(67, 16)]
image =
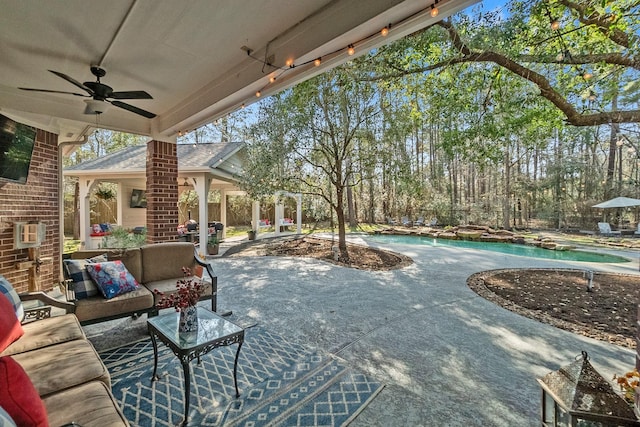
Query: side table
[(213, 332)]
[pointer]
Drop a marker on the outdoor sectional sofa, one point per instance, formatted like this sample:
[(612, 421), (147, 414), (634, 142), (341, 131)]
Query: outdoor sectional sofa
[(50, 374), (154, 266)]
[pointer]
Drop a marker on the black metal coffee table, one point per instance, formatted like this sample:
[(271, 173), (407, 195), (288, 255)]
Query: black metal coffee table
[(213, 332)]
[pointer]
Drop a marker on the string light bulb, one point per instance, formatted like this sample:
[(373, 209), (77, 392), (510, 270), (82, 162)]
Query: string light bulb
[(289, 63), (384, 32), (272, 79), (317, 62), (587, 75), (351, 50), (258, 94), (555, 24), (592, 95), (434, 11)]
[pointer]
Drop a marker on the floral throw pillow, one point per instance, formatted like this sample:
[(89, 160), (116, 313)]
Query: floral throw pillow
[(112, 278)]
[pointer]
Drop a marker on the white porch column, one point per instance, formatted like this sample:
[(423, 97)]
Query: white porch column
[(121, 201), (85, 187), (279, 212), (223, 211), (202, 185), (255, 217), (299, 214)]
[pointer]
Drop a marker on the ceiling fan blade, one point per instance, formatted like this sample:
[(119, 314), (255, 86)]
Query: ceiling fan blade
[(72, 81), (133, 109), (53, 91), (133, 94)]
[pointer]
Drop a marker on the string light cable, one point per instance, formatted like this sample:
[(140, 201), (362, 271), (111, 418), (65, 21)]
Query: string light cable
[(350, 49)]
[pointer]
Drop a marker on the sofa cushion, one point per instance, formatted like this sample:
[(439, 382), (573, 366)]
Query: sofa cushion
[(46, 332), (19, 397), (163, 261), (12, 295), (98, 307), (59, 367), (112, 278), (89, 405), (83, 285), (10, 328)]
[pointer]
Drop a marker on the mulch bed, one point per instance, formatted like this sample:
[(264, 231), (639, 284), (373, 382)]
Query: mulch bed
[(361, 257), (560, 298)]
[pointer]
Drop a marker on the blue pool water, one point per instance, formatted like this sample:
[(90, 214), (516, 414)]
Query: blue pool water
[(505, 248)]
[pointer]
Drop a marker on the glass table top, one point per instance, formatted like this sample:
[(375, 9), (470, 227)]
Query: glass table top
[(211, 327)]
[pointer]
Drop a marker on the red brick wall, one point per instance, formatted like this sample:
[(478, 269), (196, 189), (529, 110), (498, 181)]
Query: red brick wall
[(37, 200), (162, 192)]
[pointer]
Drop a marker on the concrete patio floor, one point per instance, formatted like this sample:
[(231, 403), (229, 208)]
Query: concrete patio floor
[(446, 356)]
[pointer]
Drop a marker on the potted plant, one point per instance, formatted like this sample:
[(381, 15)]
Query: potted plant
[(213, 244)]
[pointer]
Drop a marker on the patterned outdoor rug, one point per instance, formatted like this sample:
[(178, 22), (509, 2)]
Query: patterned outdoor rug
[(281, 384)]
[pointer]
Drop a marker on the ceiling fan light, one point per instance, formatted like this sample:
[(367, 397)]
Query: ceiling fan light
[(95, 106)]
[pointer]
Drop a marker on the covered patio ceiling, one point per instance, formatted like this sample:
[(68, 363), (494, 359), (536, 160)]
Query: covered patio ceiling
[(199, 60)]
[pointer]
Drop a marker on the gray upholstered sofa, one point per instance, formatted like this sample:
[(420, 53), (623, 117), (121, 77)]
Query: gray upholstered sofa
[(154, 266), (65, 371)]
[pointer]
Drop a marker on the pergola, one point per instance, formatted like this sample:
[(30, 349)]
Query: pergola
[(279, 213), (198, 60)]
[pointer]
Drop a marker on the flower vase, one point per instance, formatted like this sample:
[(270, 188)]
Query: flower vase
[(188, 319)]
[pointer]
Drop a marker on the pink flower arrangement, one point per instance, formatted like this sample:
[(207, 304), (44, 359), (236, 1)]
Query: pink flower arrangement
[(188, 293)]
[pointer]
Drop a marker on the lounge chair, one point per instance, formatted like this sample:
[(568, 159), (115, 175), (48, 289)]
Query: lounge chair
[(391, 221), (637, 232), (406, 221), (605, 230), (419, 222), (433, 222)]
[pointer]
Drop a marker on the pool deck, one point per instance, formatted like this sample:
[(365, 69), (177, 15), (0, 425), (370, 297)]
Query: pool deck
[(446, 355)]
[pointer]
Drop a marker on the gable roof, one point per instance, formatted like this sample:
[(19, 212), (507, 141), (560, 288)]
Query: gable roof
[(204, 157)]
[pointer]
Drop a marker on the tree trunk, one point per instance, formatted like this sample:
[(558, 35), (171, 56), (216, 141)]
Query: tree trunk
[(342, 235), (613, 148), (350, 204), (506, 208)]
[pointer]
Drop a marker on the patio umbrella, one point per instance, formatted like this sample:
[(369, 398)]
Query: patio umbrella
[(618, 202)]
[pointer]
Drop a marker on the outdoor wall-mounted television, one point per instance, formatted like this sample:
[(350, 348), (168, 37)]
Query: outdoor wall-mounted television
[(16, 149), (138, 199)]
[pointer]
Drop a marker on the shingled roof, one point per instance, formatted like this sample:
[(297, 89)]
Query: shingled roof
[(190, 157)]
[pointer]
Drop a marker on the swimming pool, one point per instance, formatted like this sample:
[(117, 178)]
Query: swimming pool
[(505, 248)]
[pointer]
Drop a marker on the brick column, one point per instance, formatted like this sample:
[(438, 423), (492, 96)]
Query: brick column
[(162, 192)]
